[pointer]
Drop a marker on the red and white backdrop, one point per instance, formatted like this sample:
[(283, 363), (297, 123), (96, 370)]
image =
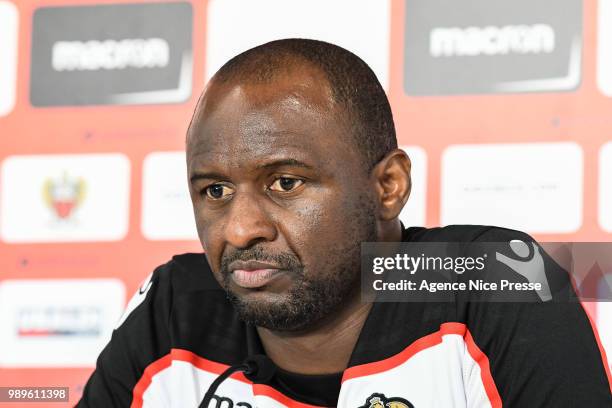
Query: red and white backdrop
[(504, 107)]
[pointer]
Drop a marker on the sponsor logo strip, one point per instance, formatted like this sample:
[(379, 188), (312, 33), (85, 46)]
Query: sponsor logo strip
[(72, 317), (491, 47), (111, 54)]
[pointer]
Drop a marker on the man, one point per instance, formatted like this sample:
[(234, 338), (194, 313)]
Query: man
[(293, 163)]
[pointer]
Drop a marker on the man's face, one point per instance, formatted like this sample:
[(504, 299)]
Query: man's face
[(281, 198)]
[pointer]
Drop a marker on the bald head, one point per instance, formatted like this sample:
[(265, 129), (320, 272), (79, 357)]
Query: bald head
[(355, 96)]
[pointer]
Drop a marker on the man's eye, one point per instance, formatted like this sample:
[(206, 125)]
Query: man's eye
[(286, 184), (217, 191)]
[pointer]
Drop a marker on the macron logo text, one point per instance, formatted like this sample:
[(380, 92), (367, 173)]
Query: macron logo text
[(491, 40), (110, 54)]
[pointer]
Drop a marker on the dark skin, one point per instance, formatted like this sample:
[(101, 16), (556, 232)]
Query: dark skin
[(271, 167)]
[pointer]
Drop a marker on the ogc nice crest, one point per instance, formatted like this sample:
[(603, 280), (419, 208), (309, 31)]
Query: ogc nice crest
[(380, 401)]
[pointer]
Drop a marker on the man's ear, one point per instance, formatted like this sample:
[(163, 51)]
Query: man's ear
[(392, 183)]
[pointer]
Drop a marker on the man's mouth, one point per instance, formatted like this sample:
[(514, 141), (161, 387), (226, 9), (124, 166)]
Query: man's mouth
[(253, 274), (254, 278)]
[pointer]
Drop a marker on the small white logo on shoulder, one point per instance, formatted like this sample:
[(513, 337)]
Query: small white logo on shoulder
[(532, 268), (137, 299)]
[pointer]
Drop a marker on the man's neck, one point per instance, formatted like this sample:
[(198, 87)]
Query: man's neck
[(324, 350)]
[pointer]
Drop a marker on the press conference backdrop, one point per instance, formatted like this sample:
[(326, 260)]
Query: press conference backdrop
[(505, 108)]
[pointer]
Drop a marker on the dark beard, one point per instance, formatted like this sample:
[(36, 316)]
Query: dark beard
[(307, 302), (310, 300)]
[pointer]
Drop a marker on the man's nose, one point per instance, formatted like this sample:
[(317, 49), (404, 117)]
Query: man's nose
[(248, 222)]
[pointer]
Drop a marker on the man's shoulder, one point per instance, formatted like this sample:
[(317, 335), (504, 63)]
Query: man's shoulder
[(184, 282), (189, 282), (191, 309), (464, 233), (189, 263), (189, 260), (186, 271)]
